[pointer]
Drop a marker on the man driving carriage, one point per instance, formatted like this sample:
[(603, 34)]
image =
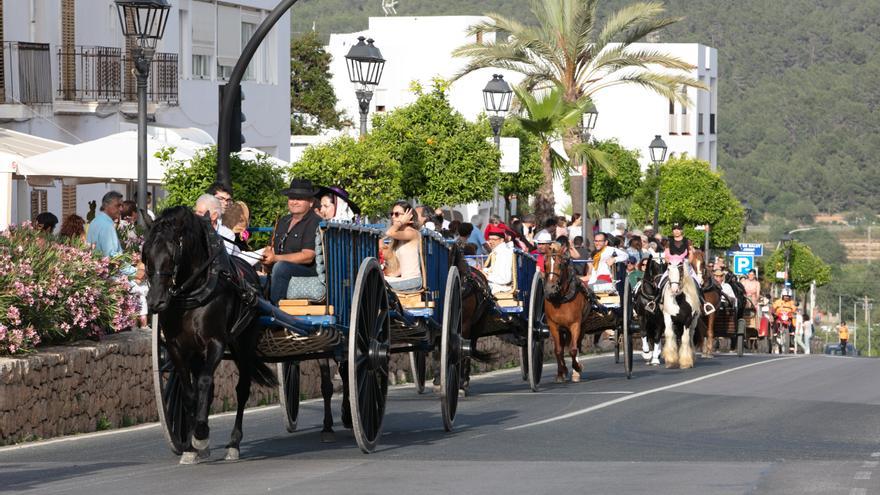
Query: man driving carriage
[(499, 266), (727, 293)]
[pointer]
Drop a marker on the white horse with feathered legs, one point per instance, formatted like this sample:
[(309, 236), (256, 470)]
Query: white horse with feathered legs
[(680, 302)]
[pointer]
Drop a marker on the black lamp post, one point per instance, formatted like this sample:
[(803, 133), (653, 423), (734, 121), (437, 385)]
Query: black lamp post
[(142, 21), (496, 100), (365, 66), (588, 123), (658, 155), (786, 243)]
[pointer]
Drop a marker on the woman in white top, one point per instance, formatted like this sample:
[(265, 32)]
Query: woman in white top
[(405, 240)]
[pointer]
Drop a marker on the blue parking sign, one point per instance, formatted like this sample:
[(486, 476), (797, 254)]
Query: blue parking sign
[(742, 263)]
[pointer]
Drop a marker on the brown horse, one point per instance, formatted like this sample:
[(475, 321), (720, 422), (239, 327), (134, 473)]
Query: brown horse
[(567, 304), (712, 295), (477, 319)]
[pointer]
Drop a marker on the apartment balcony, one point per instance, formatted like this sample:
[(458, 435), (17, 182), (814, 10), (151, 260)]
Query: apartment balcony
[(26, 78), (89, 76)]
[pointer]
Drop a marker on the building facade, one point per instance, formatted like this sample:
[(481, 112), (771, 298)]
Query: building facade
[(67, 77)]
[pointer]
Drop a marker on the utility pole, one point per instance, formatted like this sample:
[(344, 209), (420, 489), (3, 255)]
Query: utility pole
[(855, 325), (868, 323), (839, 309)]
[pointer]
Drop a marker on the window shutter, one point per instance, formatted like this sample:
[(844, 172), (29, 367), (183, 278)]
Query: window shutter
[(202, 28), (229, 35)]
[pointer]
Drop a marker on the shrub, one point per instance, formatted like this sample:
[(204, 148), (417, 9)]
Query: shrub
[(52, 292)]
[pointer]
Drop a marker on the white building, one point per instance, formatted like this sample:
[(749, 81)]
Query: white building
[(67, 78), (420, 48)]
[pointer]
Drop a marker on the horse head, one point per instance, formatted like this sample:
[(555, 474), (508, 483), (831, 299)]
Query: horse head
[(169, 243), (556, 280), (676, 274)]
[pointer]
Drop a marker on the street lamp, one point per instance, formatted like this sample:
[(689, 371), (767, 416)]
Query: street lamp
[(658, 155), (496, 100), (588, 123), (143, 22), (365, 65)]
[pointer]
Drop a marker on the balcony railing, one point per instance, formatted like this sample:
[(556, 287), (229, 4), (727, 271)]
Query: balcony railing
[(102, 74), (27, 73)]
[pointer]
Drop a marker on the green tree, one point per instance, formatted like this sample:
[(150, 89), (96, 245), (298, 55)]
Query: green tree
[(312, 100), (364, 168), (445, 159), (694, 195), (607, 188), (256, 182), (570, 50), (805, 266)]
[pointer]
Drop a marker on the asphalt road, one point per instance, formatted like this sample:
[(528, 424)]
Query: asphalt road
[(755, 424)]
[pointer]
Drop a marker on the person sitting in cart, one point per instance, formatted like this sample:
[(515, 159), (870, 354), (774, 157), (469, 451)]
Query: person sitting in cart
[(405, 242), (542, 244), (499, 266), (604, 257), (726, 289), (291, 252)]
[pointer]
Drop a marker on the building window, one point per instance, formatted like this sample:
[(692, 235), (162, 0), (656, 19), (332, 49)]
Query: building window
[(380, 108), (228, 47), (711, 123), (224, 71), (247, 31), (673, 128), (700, 123), (39, 202), (685, 121), (201, 67)]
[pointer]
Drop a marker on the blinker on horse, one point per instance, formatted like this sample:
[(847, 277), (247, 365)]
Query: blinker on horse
[(204, 300)]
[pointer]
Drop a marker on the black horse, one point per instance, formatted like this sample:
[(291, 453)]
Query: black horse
[(648, 311), (205, 302)]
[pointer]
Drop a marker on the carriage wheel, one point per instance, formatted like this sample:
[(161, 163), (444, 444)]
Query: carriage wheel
[(288, 392), (450, 349), (740, 336), (419, 368), (627, 336), (535, 337), (169, 395), (369, 339)]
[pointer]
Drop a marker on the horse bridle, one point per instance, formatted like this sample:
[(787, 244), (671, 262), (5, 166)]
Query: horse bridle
[(567, 288), (176, 291)]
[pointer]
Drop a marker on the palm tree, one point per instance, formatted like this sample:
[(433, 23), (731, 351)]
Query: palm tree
[(549, 117), (567, 49)]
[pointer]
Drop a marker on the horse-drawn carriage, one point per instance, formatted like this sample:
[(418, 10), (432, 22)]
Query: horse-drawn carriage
[(347, 313)]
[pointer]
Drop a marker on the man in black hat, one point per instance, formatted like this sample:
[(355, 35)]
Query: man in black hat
[(292, 250)]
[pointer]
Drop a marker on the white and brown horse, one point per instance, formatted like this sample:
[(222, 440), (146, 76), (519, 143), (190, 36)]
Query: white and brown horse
[(680, 303)]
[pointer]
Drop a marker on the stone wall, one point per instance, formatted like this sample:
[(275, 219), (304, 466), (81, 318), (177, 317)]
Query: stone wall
[(89, 386)]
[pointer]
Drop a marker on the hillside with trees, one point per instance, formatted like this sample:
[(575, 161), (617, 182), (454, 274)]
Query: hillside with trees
[(797, 120)]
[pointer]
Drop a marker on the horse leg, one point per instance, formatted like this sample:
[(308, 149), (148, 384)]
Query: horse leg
[(686, 353), (575, 331), (346, 403), (709, 341), (205, 389), (242, 393), (327, 435), (646, 347), (670, 350), (561, 371)]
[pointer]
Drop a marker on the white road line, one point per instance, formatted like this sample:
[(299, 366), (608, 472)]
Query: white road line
[(542, 394), (875, 454), (858, 491), (862, 475), (870, 464), (642, 394)]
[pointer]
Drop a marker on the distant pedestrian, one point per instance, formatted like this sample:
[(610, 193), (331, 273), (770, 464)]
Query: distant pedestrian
[(46, 222), (843, 335), (73, 227), (102, 231)]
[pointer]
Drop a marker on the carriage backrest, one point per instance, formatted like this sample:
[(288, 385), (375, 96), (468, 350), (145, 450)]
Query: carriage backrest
[(345, 246), (435, 253)]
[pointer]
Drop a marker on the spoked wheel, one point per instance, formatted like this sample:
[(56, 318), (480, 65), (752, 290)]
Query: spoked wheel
[(451, 349), (169, 395), (419, 368), (288, 391), (740, 336), (369, 340), (535, 336), (627, 336)]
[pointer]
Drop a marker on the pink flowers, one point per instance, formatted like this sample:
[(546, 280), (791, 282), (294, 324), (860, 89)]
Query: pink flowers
[(52, 292)]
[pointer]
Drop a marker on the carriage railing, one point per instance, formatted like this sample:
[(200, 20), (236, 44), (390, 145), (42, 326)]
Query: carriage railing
[(346, 246), (436, 251), (526, 266)]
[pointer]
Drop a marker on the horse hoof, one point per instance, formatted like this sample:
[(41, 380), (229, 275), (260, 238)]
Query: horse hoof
[(576, 377), (189, 458), (200, 444), (232, 454), (560, 379), (328, 437), (655, 362), (708, 355), (646, 356)]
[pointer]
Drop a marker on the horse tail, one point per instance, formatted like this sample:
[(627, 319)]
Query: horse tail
[(261, 373), (481, 356)]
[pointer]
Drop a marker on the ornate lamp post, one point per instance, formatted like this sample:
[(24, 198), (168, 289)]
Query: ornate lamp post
[(588, 123), (142, 21), (496, 100), (365, 66), (658, 155)]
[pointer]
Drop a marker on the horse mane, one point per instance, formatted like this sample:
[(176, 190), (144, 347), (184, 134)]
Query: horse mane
[(178, 221)]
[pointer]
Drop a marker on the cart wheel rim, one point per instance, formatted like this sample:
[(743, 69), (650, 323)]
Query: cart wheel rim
[(535, 336), (450, 349), (369, 340), (168, 392), (627, 336), (288, 393)]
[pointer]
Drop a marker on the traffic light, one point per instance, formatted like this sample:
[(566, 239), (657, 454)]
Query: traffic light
[(236, 138)]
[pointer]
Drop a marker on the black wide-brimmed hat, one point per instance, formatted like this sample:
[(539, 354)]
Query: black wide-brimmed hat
[(299, 188), (341, 194)]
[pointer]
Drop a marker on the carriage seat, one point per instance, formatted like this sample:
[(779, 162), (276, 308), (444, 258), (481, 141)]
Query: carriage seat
[(306, 295), (507, 299), (417, 298)]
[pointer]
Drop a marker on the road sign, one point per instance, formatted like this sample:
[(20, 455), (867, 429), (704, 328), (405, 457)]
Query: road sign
[(755, 249), (743, 263)]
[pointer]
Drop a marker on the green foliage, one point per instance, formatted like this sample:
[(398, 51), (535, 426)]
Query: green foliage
[(364, 168), (256, 182), (694, 195), (606, 188), (805, 266), (445, 159), (312, 100)]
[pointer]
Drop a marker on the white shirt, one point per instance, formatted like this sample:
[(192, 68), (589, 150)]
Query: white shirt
[(603, 268), (499, 269), (227, 235)]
